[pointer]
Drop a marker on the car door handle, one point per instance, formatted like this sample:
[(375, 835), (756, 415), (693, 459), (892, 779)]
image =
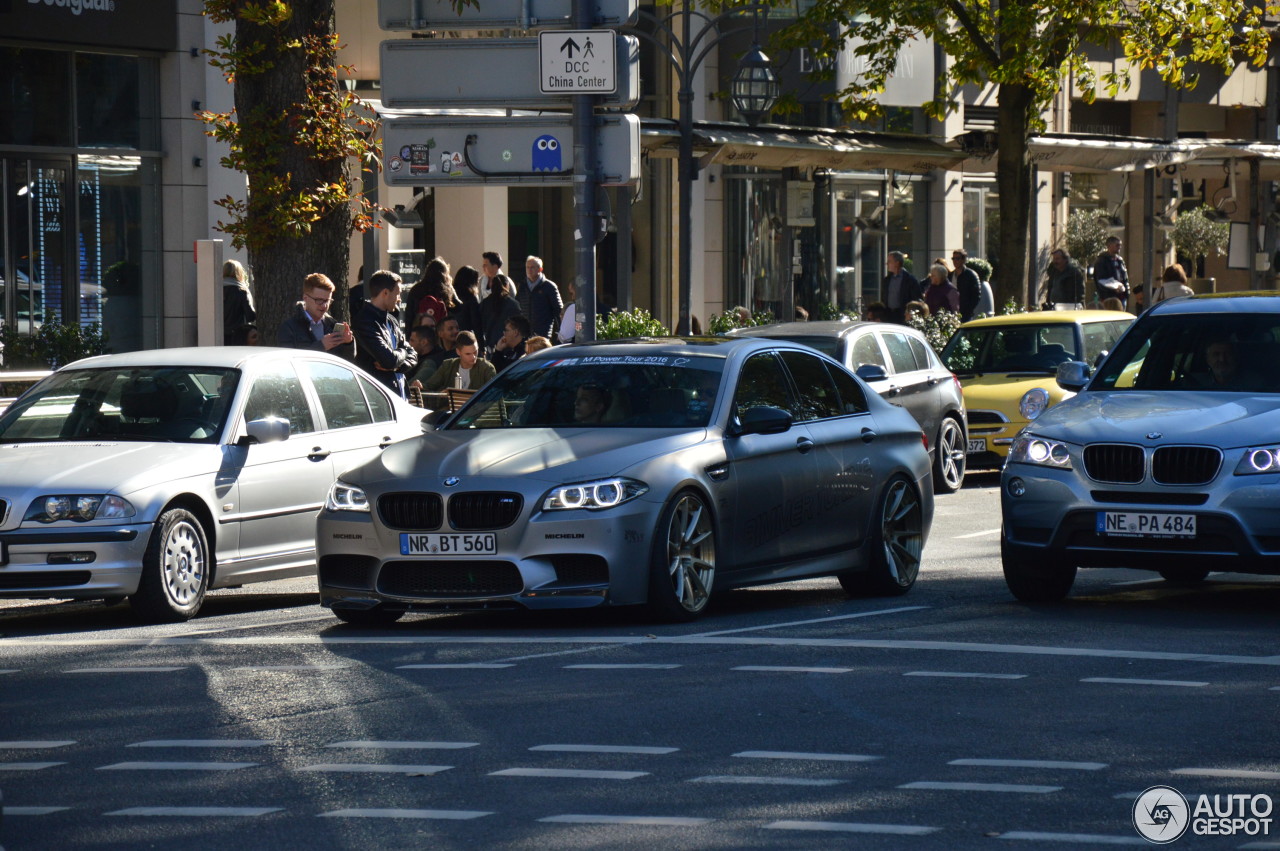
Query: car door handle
[(933, 381), (318, 453), (894, 390), (803, 444), (868, 435), (386, 441)]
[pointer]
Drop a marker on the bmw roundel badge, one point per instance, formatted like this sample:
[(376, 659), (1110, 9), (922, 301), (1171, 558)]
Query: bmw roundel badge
[(452, 481)]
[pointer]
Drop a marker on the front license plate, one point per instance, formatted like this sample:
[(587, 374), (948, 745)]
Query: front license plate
[(1146, 524), (977, 444), (447, 543)]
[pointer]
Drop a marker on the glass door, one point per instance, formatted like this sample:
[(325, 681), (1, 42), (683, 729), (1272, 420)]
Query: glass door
[(38, 282)]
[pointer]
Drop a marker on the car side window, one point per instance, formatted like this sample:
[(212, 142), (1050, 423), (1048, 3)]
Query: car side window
[(818, 397), (867, 351), (921, 352), (341, 400), (277, 392), (852, 398), (382, 411), (762, 382), (900, 352)]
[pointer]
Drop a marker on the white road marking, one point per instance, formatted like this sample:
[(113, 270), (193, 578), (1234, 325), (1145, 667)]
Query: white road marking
[(1238, 773), (985, 533), (9, 671), (379, 745), (31, 745), (1139, 581), (1125, 681), (813, 621), (853, 827), (454, 815), (637, 749), (1031, 763), (793, 669), (1080, 838), (33, 811), (27, 766), (764, 781), (266, 624), (981, 787), (578, 773), (817, 757), (375, 768), (139, 669), (176, 766), (202, 743), (619, 666), (324, 667), (188, 812), (658, 821), (965, 675), (458, 666)]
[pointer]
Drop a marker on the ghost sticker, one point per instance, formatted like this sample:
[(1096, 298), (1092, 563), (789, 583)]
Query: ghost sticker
[(546, 154)]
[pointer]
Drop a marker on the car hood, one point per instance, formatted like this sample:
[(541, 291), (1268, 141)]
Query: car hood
[(994, 391), (1221, 419), (106, 467), (540, 453)]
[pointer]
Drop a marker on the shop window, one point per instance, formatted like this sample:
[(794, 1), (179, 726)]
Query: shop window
[(112, 103), (35, 88)]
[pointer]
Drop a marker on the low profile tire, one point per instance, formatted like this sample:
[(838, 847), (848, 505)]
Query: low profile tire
[(175, 569), (1047, 579), (1184, 577), (368, 617), (683, 570), (949, 457), (896, 546)]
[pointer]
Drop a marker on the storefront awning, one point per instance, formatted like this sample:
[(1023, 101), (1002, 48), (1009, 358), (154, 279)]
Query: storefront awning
[(1085, 153)]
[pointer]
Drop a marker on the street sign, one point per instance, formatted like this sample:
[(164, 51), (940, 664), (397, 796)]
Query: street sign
[(490, 72), (577, 61), (499, 14), (534, 150)]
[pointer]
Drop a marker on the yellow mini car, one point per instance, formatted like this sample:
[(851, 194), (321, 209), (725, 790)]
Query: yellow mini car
[(1008, 364)]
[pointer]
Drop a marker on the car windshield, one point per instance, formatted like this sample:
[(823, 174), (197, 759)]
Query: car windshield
[(1012, 348), (166, 403), (598, 391), (1226, 352)]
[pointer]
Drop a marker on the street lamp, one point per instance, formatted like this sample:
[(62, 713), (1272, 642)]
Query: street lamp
[(755, 90)]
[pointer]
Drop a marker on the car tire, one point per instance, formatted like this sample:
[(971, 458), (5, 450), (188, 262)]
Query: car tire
[(683, 564), (1192, 576), (1047, 579), (175, 569), (949, 457), (376, 616), (896, 546)]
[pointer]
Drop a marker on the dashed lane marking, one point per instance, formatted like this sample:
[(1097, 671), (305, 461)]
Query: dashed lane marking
[(792, 669), (461, 666), (177, 766), (33, 811), (893, 611), (135, 669), (980, 787), (576, 773), (621, 667), (34, 744), (816, 757), (1031, 763), (1235, 773), (393, 745), (452, 815), (1078, 838), (635, 749), (197, 812), (1125, 681), (28, 766), (985, 533), (653, 821), (375, 768), (318, 667), (965, 675), (853, 827), (202, 743), (9, 671), (745, 780)]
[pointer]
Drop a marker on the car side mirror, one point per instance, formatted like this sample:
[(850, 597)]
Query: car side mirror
[(1074, 375), (266, 430), (871, 372), (764, 419)]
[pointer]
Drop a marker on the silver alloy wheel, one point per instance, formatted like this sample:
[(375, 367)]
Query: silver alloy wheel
[(183, 563), (951, 456), (902, 533), (691, 553)]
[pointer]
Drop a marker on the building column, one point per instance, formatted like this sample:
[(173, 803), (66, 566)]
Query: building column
[(471, 220)]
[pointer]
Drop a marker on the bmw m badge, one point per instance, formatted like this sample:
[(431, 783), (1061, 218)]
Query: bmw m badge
[(451, 482)]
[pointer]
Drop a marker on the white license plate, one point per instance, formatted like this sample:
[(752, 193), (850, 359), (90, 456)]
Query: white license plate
[(447, 543), (1146, 524), (977, 444)]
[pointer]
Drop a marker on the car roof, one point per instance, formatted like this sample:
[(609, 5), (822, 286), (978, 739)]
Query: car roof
[(715, 346), (1046, 317), (207, 356), (818, 328), (1258, 301)]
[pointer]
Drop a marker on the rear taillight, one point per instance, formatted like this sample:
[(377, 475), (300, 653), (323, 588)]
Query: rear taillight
[(924, 438)]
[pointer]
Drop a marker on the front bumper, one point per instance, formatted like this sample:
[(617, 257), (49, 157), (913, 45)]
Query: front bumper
[(78, 562)]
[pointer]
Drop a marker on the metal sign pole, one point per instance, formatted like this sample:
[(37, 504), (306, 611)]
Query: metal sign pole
[(585, 182)]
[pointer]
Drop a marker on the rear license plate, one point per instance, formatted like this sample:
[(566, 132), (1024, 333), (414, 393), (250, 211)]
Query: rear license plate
[(977, 444), (447, 543), (1146, 524)]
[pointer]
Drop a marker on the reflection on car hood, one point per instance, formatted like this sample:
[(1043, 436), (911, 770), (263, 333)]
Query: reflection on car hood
[(106, 467), (542, 453), (1222, 419)]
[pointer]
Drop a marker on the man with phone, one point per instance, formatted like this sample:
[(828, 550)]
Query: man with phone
[(311, 326)]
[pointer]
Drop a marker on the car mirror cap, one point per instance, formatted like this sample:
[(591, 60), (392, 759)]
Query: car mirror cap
[(268, 430), (1074, 375), (764, 419), (871, 372)]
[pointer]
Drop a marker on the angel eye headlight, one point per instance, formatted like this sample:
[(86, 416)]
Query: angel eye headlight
[(1040, 451), (345, 497), (1263, 459), (603, 493)]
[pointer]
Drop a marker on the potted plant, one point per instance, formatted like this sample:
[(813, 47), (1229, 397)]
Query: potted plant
[(1195, 235)]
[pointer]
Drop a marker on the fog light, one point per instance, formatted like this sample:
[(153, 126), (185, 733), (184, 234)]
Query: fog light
[(1017, 487), (71, 558)]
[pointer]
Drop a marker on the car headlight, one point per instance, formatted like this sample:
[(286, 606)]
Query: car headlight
[(1263, 459), (345, 497), (602, 493), (1033, 402), (1040, 451), (78, 507)]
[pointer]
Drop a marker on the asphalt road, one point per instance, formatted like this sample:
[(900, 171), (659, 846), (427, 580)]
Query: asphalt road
[(789, 717)]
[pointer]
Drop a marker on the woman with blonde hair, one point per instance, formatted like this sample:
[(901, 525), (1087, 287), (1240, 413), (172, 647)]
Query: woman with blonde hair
[(237, 301)]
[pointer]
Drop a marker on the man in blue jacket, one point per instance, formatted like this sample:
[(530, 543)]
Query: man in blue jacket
[(381, 346), (544, 299)]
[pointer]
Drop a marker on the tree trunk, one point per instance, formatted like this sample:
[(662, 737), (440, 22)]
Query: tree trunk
[(270, 106), (1013, 180)]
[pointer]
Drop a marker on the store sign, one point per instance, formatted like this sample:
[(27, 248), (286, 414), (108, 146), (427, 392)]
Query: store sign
[(140, 24), (911, 82)]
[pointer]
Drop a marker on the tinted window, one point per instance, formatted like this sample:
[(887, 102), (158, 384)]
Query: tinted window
[(278, 393), (1011, 348), (762, 382), (921, 353), (818, 397), (1101, 337), (340, 397), (900, 352), (1218, 352), (382, 411), (867, 351), (852, 399)]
